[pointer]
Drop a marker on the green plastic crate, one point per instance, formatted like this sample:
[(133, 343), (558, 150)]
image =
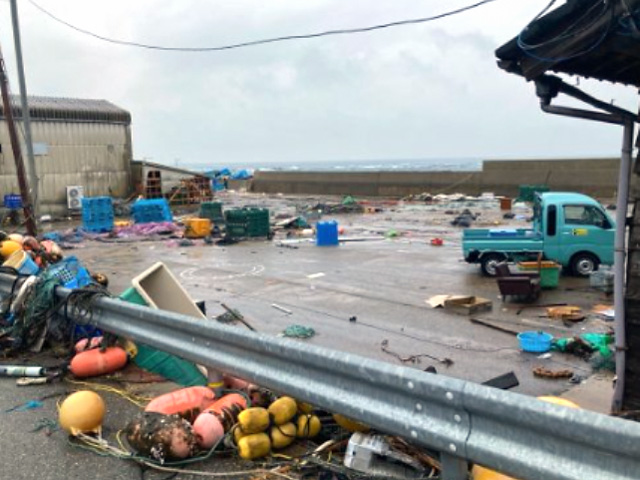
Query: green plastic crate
[(169, 366), (212, 211), (549, 272), (248, 222)]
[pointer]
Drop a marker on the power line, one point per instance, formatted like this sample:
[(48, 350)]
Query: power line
[(570, 33), (253, 43)]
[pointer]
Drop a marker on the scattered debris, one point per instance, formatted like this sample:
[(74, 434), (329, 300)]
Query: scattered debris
[(505, 381), (463, 304), (372, 454), (543, 372), (315, 275), (235, 315), (23, 407), (569, 313), (494, 326), (585, 345), (467, 305), (298, 331), (605, 311), (465, 219), (525, 307), (161, 437), (282, 309), (414, 358)]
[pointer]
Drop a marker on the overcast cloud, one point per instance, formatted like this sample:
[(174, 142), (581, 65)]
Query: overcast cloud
[(423, 91)]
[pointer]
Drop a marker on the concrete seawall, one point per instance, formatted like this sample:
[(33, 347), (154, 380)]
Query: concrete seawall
[(597, 177)]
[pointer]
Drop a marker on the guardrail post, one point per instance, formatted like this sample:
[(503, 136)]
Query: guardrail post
[(453, 468)]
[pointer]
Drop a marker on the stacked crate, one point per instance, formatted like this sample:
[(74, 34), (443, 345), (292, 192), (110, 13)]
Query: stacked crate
[(248, 222), (97, 214), (151, 210), (212, 211)]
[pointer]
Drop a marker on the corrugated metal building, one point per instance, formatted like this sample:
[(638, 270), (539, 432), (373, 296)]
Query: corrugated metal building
[(76, 142)]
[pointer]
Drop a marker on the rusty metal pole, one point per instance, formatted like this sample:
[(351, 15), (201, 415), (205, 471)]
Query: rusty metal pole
[(27, 204)]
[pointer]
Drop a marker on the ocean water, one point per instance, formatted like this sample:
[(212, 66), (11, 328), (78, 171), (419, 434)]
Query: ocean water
[(400, 165)]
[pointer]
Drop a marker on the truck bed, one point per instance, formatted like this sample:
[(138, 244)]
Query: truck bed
[(501, 240)]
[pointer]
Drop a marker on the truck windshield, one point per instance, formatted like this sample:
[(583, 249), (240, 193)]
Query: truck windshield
[(585, 215)]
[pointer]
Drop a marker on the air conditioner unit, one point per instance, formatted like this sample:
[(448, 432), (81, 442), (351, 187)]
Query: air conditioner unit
[(74, 197)]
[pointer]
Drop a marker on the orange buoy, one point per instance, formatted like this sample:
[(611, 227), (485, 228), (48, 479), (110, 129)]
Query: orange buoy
[(186, 402), (218, 418), (92, 363)]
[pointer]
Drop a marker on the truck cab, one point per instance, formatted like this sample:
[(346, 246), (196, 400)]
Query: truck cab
[(569, 228)]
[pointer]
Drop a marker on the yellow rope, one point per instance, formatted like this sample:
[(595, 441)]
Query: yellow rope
[(138, 400)]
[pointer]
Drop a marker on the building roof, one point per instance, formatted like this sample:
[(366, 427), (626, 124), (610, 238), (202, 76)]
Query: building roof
[(169, 168), (592, 38), (70, 110)]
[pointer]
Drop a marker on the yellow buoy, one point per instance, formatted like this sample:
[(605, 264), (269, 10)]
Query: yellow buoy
[(283, 410), (308, 426), (82, 412), (282, 435), (349, 424), (8, 247), (304, 407), (238, 433), (253, 446), (481, 473), (254, 420)]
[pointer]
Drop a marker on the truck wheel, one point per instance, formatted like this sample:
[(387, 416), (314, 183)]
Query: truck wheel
[(488, 263), (583, 264)]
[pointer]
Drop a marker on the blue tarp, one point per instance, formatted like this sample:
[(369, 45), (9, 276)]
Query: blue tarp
[(241, 175)]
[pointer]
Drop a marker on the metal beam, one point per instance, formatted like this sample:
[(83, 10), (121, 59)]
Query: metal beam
[(511, 433)]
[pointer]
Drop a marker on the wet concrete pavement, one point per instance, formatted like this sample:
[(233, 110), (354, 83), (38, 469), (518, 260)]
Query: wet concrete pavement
[(383, 283)]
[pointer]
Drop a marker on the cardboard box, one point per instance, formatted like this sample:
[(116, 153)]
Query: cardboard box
[(468, 305)]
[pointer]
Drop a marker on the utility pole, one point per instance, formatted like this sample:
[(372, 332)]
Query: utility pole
[(26, 117), (27, 206)]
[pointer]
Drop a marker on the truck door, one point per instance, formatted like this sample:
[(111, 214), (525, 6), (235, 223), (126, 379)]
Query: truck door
[(552, 242), (586, 228)]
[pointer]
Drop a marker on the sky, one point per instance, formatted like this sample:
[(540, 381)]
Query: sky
[(421, 91)]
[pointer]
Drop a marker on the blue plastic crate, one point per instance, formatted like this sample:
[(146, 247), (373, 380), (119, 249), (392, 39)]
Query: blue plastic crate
[(70, 272), (13, 201), (97, 214), (151, 210)]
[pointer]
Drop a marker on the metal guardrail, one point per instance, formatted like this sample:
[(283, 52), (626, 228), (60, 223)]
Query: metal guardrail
[(465, 422)]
